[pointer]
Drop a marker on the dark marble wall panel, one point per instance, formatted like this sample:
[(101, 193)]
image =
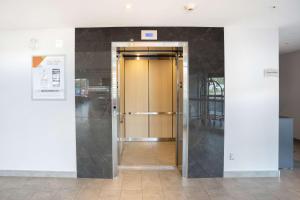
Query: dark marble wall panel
[(93, 112)]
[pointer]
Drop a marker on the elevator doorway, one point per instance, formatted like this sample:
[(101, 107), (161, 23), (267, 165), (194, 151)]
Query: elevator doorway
[(149, 113)]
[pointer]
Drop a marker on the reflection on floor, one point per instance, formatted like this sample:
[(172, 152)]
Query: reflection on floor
[(152, 185), (149, 153), (297, 154)]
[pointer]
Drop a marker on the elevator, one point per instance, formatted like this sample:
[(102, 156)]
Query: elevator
[(148, 105)]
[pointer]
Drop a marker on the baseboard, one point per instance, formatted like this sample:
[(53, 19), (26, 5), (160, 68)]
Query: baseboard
[(28, 173), (237, 174)]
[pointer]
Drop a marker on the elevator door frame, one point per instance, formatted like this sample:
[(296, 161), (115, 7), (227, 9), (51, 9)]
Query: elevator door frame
[(115, 98)]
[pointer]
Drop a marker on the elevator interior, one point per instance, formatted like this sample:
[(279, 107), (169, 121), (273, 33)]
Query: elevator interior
[(150, 107)]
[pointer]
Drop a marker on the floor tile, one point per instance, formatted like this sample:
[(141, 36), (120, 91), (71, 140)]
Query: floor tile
[(131, 195), (88, 194), (149, 153), (152, 185)]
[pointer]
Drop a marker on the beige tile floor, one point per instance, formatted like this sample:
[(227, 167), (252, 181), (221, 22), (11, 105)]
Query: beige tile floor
[(152, 185), (149, 153)]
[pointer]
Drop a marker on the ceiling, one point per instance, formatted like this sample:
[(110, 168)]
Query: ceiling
[(32, 14), (289, 26)]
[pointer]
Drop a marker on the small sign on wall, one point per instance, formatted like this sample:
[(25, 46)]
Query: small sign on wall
[(271, 72), (149, 34), (48, 77)]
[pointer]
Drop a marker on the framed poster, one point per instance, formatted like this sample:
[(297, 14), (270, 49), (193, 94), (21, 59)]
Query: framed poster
[(48, 77)]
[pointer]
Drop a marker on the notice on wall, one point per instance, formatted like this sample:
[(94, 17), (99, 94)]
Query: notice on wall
[(48, 77)]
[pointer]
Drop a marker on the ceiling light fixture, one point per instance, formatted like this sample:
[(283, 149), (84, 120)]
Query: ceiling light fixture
[(189, 7), (128, 6)]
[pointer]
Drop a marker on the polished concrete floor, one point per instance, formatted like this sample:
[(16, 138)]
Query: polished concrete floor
[(149, 153), (152, 185)]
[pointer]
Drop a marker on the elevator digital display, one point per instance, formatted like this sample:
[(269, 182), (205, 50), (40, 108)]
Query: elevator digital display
[(149, 34)]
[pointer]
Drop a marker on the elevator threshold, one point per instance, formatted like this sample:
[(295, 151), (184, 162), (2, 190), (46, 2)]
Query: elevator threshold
[(148, 167)]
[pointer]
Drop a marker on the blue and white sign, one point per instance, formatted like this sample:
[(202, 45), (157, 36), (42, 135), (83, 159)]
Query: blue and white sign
[(149, 35)]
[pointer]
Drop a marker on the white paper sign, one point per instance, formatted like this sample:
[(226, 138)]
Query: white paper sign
[(48, 77)]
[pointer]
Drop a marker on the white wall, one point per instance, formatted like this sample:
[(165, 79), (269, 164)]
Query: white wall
[(251, 100), (40, 135), (35, 135), (290, 88)]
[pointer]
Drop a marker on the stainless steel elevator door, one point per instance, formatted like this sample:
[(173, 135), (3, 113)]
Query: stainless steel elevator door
[(121, 116), (179, 107)]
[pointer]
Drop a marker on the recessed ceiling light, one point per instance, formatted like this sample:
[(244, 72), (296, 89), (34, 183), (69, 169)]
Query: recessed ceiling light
[(128, 6), (189, 7)]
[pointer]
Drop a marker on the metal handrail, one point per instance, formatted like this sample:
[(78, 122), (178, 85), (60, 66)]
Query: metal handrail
[(151, 113)]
